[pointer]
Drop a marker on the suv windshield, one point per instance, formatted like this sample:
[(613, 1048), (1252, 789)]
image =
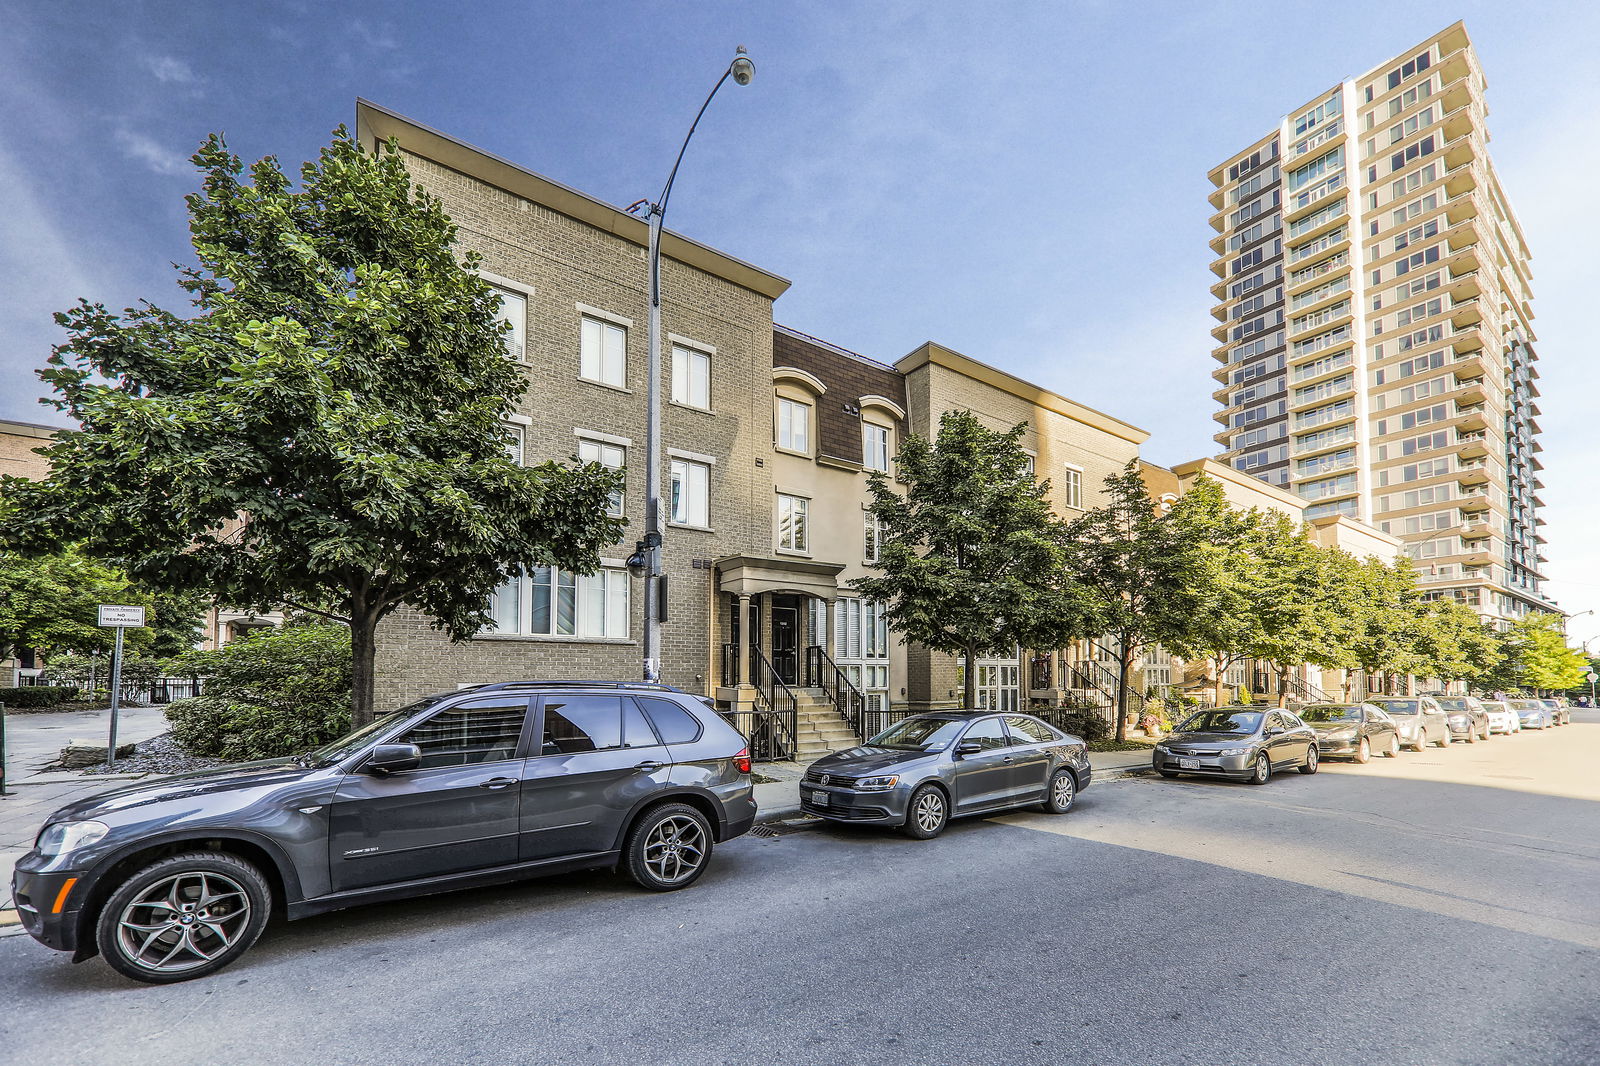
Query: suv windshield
[(1398, 706), (919, 734), (1240, 722), (352, 741), (1330, 714)]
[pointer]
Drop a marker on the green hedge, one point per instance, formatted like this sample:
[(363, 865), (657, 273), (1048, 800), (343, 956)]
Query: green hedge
[(277, 692), (38, 695)]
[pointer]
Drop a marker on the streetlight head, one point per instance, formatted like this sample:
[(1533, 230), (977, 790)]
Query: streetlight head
[(743, 70)]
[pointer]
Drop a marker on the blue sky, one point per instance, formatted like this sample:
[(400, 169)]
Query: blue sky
[(1023, 182)]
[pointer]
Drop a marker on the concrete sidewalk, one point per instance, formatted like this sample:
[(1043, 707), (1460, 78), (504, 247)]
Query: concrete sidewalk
[(780, 799), (33, 741)]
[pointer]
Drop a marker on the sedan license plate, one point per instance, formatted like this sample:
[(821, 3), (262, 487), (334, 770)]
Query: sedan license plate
[(819, 798), (1189, 764)]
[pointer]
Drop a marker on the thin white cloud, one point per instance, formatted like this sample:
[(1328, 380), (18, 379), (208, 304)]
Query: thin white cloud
[(170, 71), (162, 160)]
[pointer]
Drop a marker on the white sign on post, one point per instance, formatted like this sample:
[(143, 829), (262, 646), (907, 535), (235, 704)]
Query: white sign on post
[(111, 616), (118, 618), (1592, 676)]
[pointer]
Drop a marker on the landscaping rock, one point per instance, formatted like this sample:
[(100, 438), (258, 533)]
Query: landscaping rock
[(158, 755), (80, 753)]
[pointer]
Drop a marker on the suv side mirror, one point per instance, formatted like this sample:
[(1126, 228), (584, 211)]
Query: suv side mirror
[(393, 759), (968, 747)]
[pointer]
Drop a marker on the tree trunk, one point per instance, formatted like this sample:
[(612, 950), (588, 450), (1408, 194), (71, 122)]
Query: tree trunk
[(1124, 677), (1283, 685), (969, 680), (363, 655), (1216, 688)]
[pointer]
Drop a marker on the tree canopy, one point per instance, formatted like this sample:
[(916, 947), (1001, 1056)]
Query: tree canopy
[(325, 430), (970, 561)]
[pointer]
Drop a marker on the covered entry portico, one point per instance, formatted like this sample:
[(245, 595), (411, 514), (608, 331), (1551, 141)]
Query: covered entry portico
[(766, 620)]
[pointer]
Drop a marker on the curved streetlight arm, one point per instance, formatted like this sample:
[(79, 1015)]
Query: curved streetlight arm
[(648, 553)]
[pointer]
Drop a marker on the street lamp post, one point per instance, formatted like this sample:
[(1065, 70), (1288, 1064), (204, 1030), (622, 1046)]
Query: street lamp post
[(647, 553)]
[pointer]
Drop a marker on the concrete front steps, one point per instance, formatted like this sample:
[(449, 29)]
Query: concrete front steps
[(819, 729)]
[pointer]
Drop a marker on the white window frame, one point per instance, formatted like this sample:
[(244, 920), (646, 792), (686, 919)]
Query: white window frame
[(871, 537), (876, 453), (1072, 486), (516, 447), (612, 455), (597, 605), (686, 391), (793, 421), (795, 512), (689, 499), (603, 351)]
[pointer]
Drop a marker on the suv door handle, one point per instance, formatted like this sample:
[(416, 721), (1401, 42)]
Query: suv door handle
[(650, 766), (497, 782)]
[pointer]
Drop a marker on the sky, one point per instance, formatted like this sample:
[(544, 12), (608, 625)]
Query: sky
[(1023, 182)]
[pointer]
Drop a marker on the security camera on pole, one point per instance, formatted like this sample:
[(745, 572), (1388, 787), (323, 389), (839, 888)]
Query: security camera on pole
[(118, 618), (646, 558)]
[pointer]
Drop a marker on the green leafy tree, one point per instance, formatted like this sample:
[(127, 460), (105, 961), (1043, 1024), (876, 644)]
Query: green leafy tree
[(1304, 597), (971, 560), (1384, 630), (1152, 571), (327, 429), (1453, 644), (1543, 659), (50, 603)]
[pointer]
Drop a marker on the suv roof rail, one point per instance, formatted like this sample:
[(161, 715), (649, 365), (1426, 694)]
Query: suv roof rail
[(649, 686)]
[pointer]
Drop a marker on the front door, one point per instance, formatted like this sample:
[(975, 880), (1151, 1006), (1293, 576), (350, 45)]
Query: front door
[(596, 758), (786, 643), (984, 778), (456, 812)]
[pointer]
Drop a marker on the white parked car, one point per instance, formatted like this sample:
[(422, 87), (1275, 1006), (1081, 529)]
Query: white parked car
[(1502, 719)]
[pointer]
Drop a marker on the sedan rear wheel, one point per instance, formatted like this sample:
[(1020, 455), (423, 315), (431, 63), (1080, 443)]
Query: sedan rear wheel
[(1061, 793), (1444, 741), (1421, 742), (1393, 750), (1472, 735), (1364, 750), (1263, 770), (1310, 765), (927, 814)]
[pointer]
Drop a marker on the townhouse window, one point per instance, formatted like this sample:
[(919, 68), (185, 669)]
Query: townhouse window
[(691, 378), (794, 425), (875, 447), (860, 630), (794, 523), (548, 602), (872, 537), (514, 442), (608, 455), (514, 309), (1072, 487), (691, 493), (603, 352)]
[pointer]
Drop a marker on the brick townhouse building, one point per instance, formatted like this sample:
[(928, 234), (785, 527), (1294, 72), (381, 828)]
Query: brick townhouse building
[(769, 437)]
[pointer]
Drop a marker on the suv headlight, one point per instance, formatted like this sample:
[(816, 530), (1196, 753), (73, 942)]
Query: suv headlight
[(877, 784), (63, 837)]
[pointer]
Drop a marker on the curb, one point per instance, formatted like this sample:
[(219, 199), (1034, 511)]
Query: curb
[(777, 814), (67, 778)]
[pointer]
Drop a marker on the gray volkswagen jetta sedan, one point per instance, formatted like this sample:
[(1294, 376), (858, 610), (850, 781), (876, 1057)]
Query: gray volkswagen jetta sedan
[(174, 879), (924, 770)]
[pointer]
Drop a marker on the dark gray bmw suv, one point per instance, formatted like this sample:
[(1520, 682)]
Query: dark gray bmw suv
[(174, 879)]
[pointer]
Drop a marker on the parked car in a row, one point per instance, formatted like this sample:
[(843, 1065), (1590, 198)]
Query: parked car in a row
[(174, 879), (1502, 718), (1533, 714), (926, 769), (1420, 719), (1238, 743)]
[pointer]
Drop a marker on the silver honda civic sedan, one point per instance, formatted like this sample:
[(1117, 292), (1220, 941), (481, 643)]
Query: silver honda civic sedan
[(924, 770)]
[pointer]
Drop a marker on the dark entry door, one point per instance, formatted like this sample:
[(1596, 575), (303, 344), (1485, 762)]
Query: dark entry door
[(786, 643)]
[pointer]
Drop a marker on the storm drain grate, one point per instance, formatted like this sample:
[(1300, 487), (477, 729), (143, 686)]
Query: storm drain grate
[(783, 829)]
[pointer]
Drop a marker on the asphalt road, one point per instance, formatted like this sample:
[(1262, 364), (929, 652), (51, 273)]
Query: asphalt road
[(1436, 908)]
